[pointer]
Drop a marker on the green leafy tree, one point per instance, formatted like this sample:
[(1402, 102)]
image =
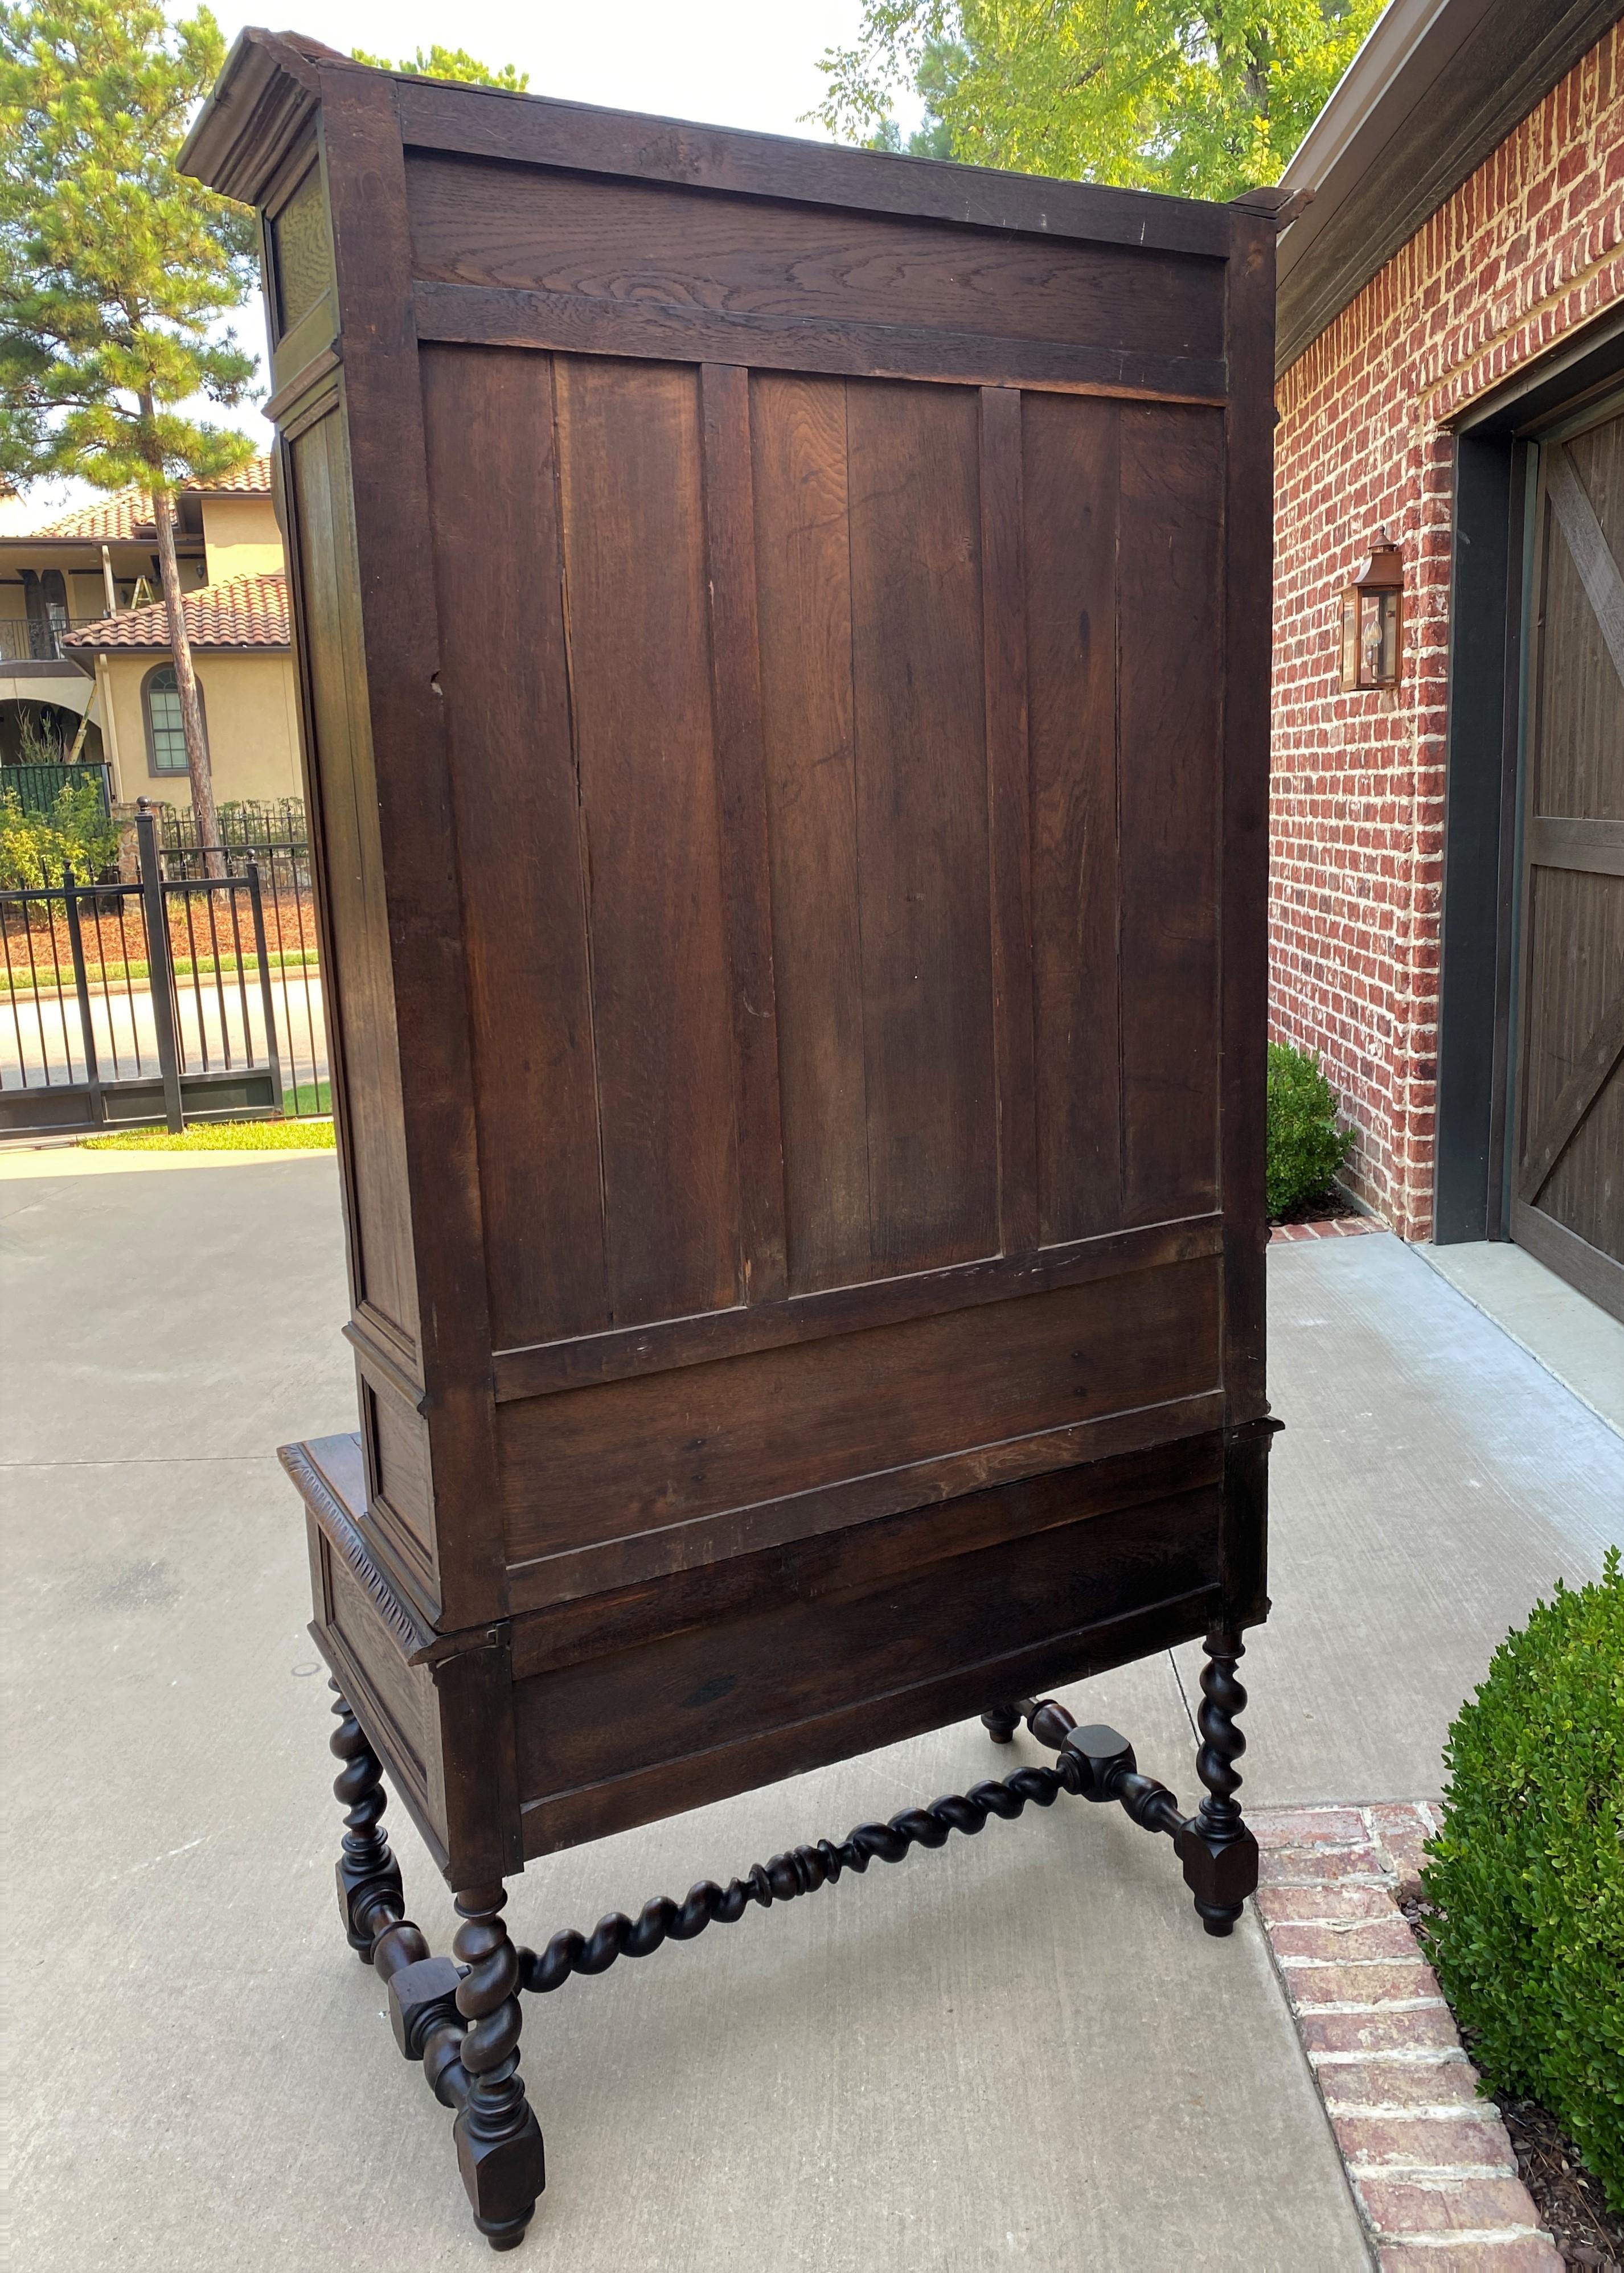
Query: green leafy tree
[(115, 274), (1202, 98), (450, 63)]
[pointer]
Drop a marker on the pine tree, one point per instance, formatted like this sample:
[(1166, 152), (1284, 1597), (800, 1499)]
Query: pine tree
[(114, 273)]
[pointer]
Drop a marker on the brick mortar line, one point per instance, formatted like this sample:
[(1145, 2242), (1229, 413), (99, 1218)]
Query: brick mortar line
[(1435, 2177), (1346, 1964), (1409, 2056), (1471, 2111), (1461, 2238), (1372, 2011)]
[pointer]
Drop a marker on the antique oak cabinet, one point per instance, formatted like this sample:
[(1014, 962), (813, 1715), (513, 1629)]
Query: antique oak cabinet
[(783, 642)]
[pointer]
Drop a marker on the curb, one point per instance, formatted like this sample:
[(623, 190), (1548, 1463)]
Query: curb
[(1429, 2162), (68, 1161)]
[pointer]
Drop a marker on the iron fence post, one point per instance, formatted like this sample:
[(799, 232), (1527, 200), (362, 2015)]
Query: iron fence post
[(267, 1003), (160, 966), (81, 987)]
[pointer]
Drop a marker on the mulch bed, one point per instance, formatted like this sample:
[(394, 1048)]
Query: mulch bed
[(1568, 2198), (1331, 1209)]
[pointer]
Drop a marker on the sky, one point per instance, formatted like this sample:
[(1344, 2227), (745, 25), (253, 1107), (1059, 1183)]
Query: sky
[(728, 63)]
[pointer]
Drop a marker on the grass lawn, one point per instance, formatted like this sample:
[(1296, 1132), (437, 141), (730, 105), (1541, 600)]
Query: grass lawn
[(222, 1137)]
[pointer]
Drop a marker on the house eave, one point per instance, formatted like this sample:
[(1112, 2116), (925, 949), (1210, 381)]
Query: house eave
[(112, 649), (1434, 91)]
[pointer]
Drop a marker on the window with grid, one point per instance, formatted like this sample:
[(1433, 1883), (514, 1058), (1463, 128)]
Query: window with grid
[(165, 737)]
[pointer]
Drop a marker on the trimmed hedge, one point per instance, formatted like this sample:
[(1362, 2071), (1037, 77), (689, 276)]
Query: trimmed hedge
[(1305, 1147), (1527, 1873)]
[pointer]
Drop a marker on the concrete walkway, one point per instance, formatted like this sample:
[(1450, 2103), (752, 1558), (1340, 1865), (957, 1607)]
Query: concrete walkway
[(1018, 2050)]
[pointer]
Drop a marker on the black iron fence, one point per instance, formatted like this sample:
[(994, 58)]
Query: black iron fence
[(248, 824), (135, 1002), (271, 838)]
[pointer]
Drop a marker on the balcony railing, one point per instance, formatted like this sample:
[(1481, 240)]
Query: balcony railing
[(25, 641)]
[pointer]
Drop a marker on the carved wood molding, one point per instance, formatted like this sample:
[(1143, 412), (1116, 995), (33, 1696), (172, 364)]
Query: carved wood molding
[(347, 1543)]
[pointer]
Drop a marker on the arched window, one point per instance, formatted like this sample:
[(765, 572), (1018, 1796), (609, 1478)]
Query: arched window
[(165, 737)]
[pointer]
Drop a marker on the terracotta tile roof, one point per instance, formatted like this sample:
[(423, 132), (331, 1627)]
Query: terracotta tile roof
[(242, 612), (129, 512)]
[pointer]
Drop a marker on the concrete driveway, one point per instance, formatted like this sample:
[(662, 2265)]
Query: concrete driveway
[(1018, 2050)]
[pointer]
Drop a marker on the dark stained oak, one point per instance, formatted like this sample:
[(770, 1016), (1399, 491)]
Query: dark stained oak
[(782, 637)]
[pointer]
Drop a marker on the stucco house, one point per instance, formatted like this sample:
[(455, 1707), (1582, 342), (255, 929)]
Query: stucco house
[(83, 631), (1447, 898)]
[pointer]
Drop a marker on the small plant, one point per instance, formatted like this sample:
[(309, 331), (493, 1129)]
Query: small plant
[(1527, 1874), (75, 833), (39, 740), (1305, 1148)]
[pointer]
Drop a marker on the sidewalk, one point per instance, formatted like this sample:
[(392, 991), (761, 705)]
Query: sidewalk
[(1017, 2050)]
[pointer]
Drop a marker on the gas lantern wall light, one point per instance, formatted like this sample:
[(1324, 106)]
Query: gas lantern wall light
[(1373, 618)]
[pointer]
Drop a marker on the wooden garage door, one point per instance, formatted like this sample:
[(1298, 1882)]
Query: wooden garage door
[(1567, 1198)]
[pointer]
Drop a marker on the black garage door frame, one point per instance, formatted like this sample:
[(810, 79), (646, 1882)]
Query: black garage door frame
[(1494, 448)]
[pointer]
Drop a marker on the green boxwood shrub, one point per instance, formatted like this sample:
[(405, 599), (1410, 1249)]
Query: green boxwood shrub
[(1305, 1147), (35, 847), (1527, 1874)]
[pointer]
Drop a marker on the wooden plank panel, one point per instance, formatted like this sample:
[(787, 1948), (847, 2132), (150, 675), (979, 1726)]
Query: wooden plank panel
[(922, 804), (721, 1682), (648, 1795), (736, 675), (1070, 499), (1579, 703), (803, 579), (635, 1456), (473, 315), (547, 1367), (566, 1631), (1577, 982), (1003, 616), (361, 1005), (653, 244), (1170, 707), (465, 120), (394, 584), (634, 550), (1243, 569), (830, 1509), (494, 484)]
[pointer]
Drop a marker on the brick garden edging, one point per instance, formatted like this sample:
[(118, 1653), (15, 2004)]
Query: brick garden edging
[(1430, 2163), (1336, 1226)]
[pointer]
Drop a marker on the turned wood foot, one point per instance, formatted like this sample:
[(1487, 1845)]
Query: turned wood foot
[(1001, 1723), (369, 1877), (498, 2138), (1219, 1853)]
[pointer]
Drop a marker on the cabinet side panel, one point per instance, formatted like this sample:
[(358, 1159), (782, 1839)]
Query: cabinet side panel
[(632, 1459), (1070, 495), (492, 478), (628, 439), (804, 602), (791, 1684), (1169, 698), (925, 889), (599, 242), (360, 993)]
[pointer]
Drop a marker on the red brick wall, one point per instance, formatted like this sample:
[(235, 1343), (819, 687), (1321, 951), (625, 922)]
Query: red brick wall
[(1525, 251)]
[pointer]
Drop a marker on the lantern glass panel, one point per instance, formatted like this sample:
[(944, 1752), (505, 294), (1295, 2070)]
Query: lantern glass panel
[(1378, 639)]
